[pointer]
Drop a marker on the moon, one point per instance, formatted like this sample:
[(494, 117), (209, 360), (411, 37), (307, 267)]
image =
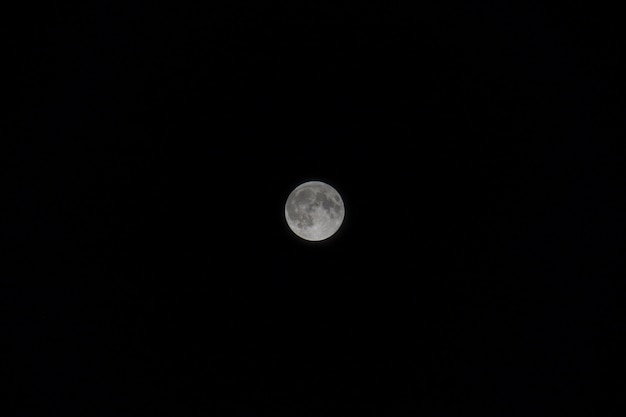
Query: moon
[(314, 211)]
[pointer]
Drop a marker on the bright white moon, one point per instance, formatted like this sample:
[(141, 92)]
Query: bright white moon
[(314, 211)]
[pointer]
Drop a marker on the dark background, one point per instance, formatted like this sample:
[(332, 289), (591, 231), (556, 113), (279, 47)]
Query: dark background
[(148, 267)]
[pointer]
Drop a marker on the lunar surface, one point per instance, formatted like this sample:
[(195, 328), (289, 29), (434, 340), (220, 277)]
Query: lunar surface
[(314, 211)]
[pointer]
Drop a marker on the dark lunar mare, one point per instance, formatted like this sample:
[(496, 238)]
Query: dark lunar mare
[(327, 204)]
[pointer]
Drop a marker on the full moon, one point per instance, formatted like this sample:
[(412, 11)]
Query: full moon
[(314, 211)]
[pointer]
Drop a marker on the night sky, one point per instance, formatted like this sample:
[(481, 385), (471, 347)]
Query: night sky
[(149, 270)]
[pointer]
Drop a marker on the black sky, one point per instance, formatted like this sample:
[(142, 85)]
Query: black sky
[(149, 269)]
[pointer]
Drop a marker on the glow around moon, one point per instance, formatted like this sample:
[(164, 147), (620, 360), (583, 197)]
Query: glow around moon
[(314, 211)]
